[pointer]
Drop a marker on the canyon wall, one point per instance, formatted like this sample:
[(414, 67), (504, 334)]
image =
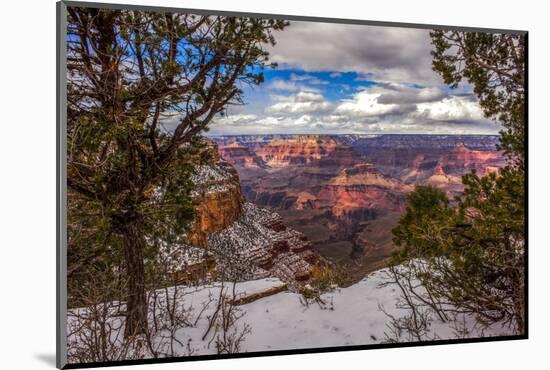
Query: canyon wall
[(347, 192), (218, 200), (245, 240)]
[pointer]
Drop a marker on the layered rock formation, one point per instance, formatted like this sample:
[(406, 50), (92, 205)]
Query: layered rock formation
[(453, 164), (246, 241), (240, 155), (379, 143), (218, 198), (402, 150), (461, 159), (347, 192), (296, 150), (362, 186), (295, 171), (260, 244)]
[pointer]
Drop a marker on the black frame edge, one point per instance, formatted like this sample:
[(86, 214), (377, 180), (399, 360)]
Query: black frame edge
[(293, 352), (288, 17), (61, 194)]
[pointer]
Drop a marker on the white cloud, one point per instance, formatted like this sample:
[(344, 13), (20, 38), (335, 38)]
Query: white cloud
[(365, 104), (283, 85), (310, 79), (286, 85), (237, 120), (387, 99), (382, 108), (455, 108), (300, 103), (408, 98), (305, 119)]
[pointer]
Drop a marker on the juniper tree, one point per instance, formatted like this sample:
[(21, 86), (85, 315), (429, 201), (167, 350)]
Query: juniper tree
[(141, 87), (473, 249)]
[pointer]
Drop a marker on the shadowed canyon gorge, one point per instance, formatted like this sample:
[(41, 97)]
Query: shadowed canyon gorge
[(345, 193)]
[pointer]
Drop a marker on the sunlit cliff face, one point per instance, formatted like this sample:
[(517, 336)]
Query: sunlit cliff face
[(298, 150)]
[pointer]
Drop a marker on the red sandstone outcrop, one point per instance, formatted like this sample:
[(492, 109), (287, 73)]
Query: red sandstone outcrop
[(461, 159), (305, 200), (218, 198), (362, 186), (451, 166), (296, 150), (247, 241), (295, 171), (240, 155)]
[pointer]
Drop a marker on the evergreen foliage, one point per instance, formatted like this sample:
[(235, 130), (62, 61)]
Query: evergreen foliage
[(469, 253), (141, 88)]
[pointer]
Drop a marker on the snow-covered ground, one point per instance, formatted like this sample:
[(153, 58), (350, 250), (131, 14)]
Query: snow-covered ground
[(350, 316)]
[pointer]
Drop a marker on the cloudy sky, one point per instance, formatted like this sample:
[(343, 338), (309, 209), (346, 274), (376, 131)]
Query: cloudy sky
[(334, 78)]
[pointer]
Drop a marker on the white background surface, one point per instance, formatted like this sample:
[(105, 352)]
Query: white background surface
[(27, 182)]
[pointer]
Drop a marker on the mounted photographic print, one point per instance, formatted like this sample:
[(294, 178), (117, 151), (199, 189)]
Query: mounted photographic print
[(235, 184)]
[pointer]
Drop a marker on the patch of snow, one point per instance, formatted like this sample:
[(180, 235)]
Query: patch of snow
[(350, 316), (211, 173)]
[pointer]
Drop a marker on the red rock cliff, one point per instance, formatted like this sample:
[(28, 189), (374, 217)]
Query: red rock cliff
[(246, 240), (218, 198), (296, 150)]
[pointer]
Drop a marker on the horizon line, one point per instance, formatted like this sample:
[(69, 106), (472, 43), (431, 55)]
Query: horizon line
[(331, 134)]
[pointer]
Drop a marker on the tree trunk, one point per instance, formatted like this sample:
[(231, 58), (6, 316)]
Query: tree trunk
[(519, 301), (136, 303)]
